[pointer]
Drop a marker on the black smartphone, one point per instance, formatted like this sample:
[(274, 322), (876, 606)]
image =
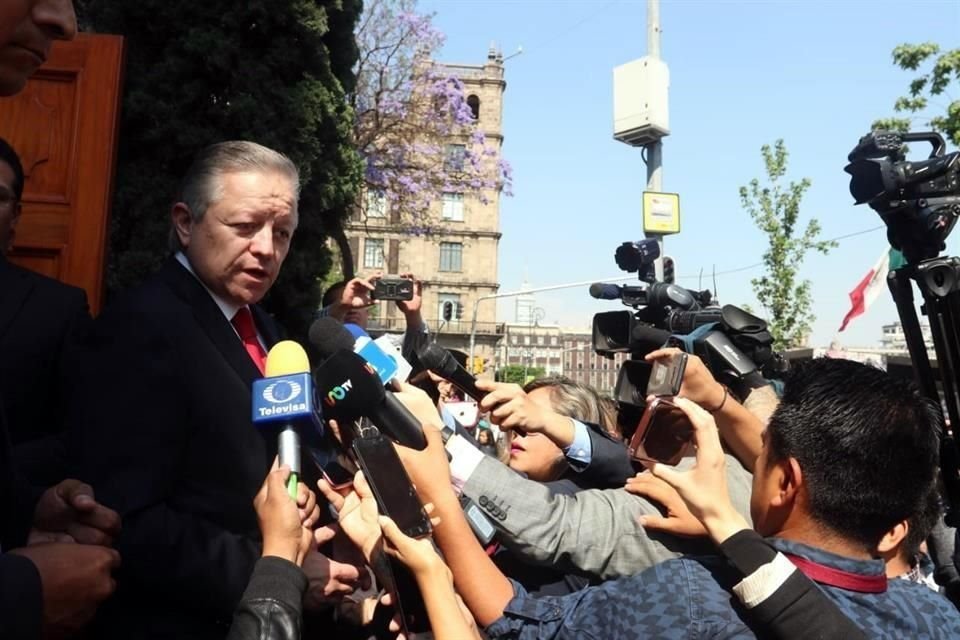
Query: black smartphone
[(666, 375), (408, 600), (392, 289), (632, 381), (664, 435), (335, 467), (390, 484)]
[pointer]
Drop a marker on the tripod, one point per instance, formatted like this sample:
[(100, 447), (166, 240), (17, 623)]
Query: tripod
[(938, 280)]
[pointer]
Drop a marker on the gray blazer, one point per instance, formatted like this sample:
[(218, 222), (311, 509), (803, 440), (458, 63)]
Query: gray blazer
[(593, 533)]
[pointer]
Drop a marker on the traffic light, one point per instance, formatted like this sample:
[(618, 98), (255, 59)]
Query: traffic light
[(459, 310), (668, 275), (448, 311), (478, 365)]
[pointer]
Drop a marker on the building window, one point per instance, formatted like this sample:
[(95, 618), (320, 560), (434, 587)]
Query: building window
[(453, 207), (447, 297), (453, 158), (515, 339), (373, 253), (553, 341), (376, 203), (540, 340), (451, 256), (526, 339), (473, 101)]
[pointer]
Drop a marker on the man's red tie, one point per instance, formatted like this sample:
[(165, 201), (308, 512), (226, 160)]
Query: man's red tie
[(243, 323)]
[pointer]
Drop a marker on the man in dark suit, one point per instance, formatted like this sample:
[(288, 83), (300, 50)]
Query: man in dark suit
[(49, 584), (41, 319), (165, 425)]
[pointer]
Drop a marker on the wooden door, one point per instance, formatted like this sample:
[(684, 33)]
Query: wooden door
[(63, 126)]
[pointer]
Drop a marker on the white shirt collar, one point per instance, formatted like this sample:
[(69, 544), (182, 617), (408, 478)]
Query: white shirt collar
[(228, 308)]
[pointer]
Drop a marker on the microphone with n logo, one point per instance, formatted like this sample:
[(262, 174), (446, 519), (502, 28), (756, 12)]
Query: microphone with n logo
[(285, 398)]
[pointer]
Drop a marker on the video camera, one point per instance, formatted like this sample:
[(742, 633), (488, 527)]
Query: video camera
[(920, 203), (734, 345)]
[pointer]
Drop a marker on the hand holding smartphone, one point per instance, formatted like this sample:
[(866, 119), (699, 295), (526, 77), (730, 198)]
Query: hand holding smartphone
[(666, 375), (392, 288)]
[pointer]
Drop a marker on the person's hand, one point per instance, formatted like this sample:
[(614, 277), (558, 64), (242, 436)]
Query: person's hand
[(512, 409), (704, 487), (69, 509), (678, 519), (356, 293), (329, 580), (473, 633), (411, 308), (285, 533), (419, 404), (76, 578), (357, 513), (307, 506), (417, 554), (698, 384)]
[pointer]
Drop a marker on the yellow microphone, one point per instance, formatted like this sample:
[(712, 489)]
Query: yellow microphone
[(289, 393)]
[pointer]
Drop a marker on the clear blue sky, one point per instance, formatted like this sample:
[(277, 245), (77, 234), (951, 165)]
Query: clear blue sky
[(742, 74)]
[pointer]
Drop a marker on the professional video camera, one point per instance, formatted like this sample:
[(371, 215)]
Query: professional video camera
[(920, 204), (734, 344)]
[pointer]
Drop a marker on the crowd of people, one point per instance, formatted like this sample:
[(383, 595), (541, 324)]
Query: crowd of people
[(139, 500)]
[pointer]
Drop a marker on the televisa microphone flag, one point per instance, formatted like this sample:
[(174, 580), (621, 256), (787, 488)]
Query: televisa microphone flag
[(872, 284)]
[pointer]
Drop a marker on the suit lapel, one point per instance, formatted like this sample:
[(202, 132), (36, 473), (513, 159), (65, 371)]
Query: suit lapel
[(15, 287), (211, 319)]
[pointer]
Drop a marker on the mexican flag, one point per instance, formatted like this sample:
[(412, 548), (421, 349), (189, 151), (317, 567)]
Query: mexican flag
[(872, 284)]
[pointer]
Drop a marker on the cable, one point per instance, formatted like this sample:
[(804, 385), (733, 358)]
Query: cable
[(559, 34), (760, 264)]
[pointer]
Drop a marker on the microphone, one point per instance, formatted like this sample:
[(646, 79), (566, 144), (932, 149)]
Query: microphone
[(603, 291), (441, 362), (348, 376), (381, 353), (285, 396)]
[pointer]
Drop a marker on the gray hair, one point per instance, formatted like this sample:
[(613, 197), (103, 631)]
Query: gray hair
[(202, 186), (576, 400)]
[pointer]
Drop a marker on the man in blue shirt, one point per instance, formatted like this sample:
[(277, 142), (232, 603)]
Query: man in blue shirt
[(848, 454)]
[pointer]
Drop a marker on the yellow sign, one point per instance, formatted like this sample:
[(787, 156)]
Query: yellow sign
[(661, 213)]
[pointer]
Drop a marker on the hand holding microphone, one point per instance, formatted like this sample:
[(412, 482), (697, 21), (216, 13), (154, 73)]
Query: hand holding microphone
[(512, 409)]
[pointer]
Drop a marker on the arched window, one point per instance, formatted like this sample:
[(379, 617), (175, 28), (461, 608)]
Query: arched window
[(474, 103)]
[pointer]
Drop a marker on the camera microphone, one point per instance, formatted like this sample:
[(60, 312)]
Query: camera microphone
[(602, 291)]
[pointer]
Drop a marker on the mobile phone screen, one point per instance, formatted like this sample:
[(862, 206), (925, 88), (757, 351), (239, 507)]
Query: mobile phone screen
[(338, 472), (391, 485), (666, 376), (668, 435)]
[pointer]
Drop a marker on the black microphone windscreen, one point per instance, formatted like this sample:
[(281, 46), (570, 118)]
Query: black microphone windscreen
[(328, 335), (603, 291), (437, 359), (347, 386)]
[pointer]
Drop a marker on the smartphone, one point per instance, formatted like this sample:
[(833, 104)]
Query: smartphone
[(666, 375), (664, 434), (632, 380), (407, 599), (390, 484), (392, 288), (335, 467)]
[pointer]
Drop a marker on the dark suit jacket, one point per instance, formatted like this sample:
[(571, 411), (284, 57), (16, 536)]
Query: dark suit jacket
[(21, 595), (164, 434), (40, 321)]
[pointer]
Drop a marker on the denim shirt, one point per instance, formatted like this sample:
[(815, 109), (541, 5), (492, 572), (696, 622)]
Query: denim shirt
[(691, 598)]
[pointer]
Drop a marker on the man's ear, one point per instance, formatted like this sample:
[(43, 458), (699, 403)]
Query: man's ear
[(182, 223), (790, 481), (892, 538)]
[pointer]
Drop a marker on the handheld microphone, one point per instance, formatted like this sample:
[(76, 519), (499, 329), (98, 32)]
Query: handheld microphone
[(381, 354), (441, 362), (344, 370), (285, 396)]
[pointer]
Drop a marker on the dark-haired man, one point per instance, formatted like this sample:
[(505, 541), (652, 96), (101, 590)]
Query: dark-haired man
[(848, 454)]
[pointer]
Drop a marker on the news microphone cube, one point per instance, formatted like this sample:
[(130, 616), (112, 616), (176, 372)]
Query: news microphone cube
[(283, 398)]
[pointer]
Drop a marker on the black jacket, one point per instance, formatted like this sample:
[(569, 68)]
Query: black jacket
[(21, 595), (41, 320), (271, 608), (164, 434)]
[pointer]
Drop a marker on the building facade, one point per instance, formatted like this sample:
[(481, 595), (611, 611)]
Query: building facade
[(456, 259)]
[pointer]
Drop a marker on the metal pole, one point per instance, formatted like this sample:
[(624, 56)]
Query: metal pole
[(655, 149)]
